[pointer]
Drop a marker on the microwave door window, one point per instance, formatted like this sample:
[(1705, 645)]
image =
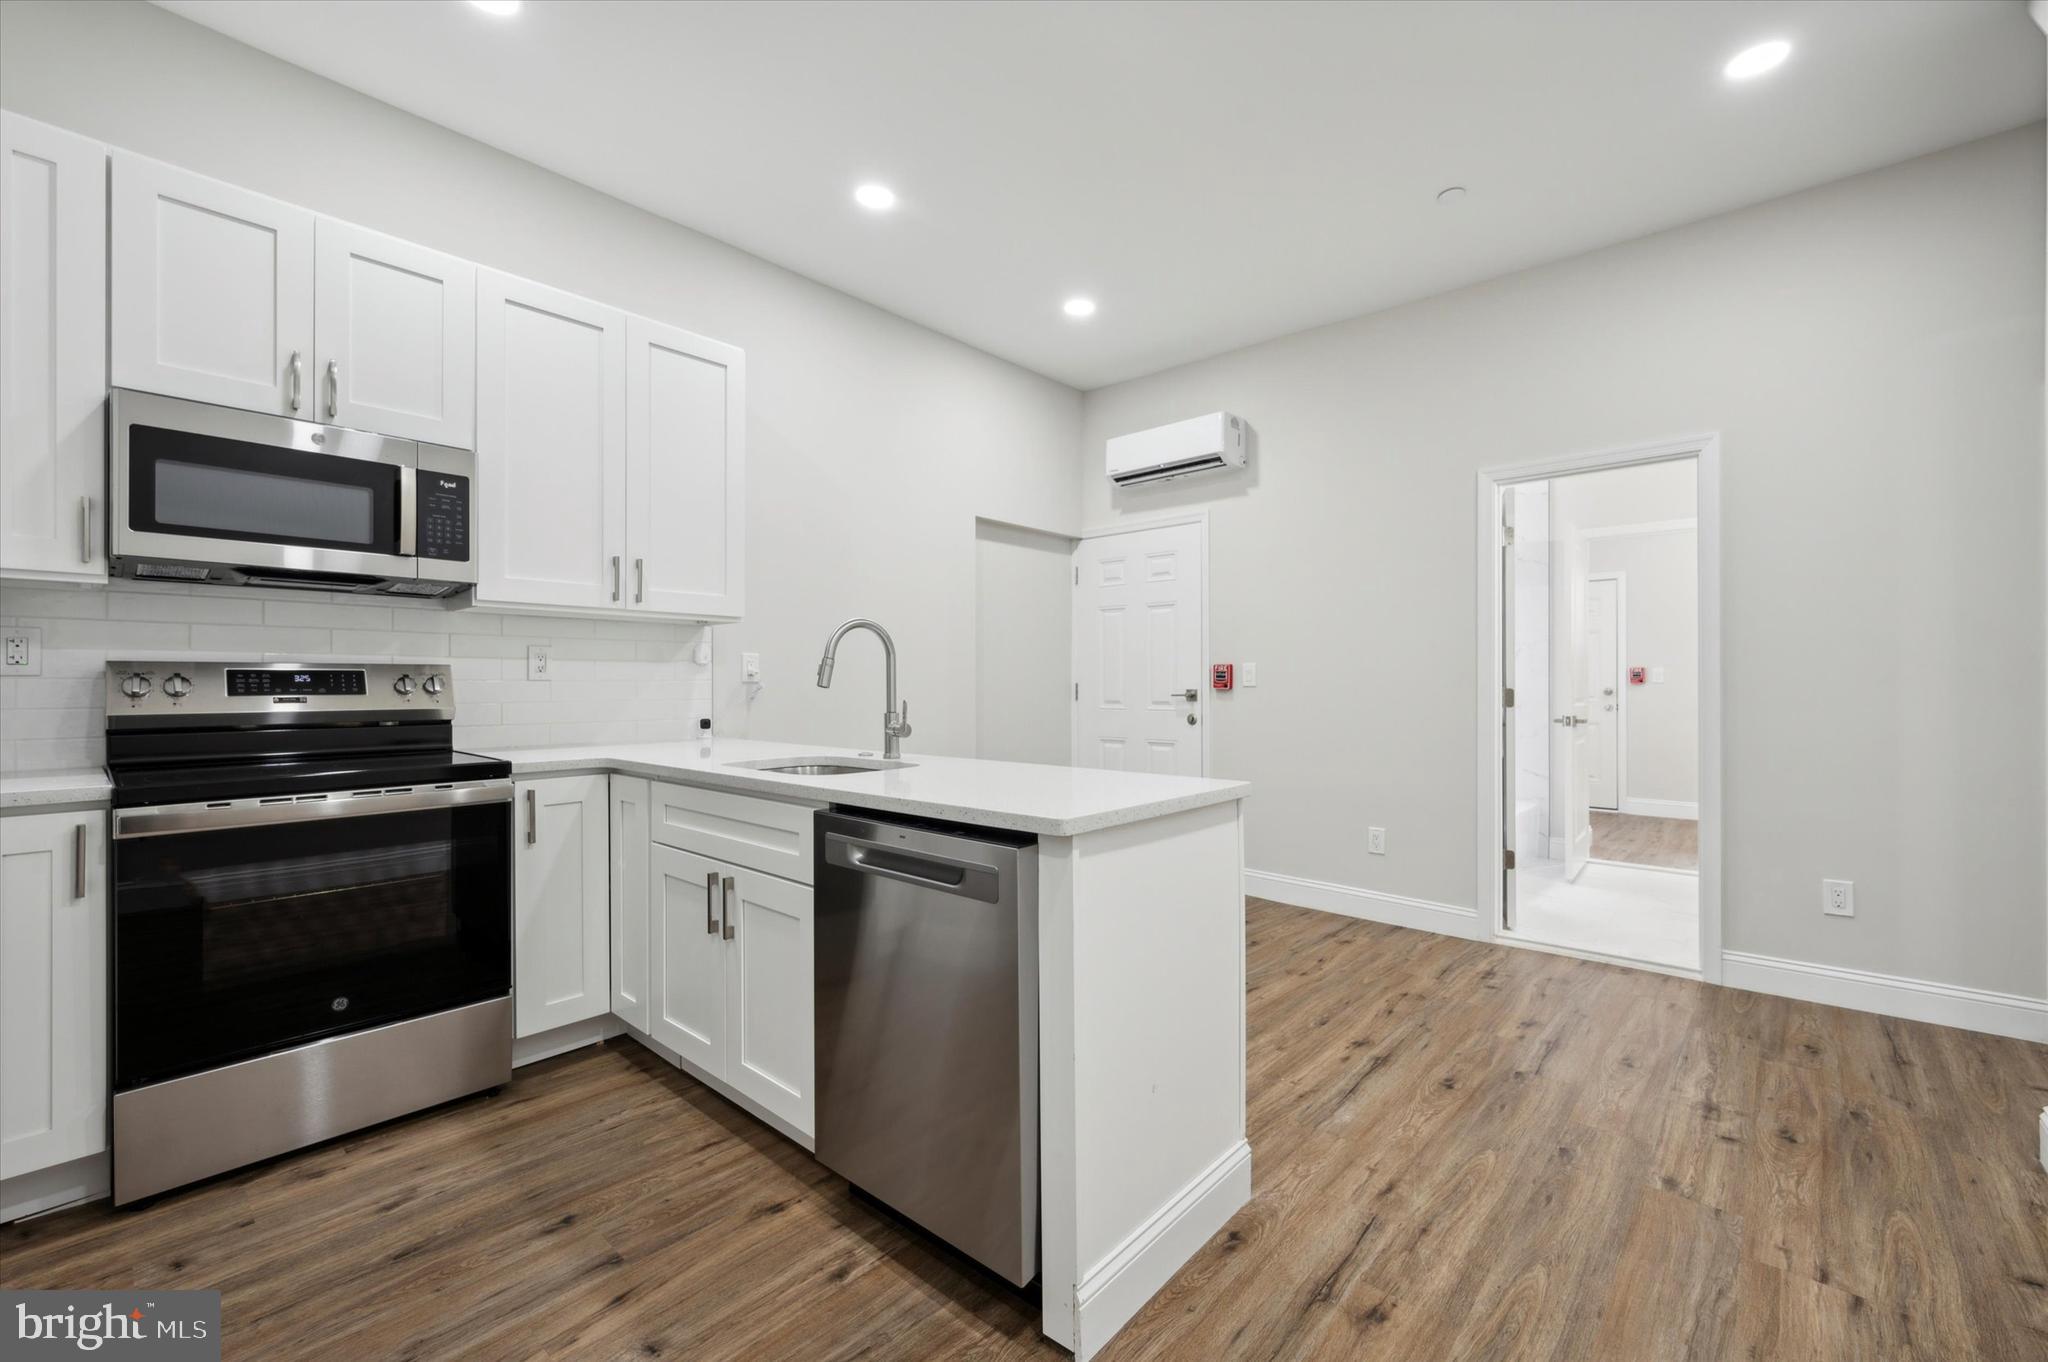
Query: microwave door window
[(194, 496)]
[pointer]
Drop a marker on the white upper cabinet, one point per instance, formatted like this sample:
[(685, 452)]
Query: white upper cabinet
[(212, 291), (394, 337), (685, 471), (53, 352), (551, 446)]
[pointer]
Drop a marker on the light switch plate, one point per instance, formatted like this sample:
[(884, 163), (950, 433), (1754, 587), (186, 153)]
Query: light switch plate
[(750, 666), (23, 651), (1251, 674)]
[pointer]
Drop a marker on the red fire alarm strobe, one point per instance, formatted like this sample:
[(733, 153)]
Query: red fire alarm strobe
[(1222, 675), (1638, 675)]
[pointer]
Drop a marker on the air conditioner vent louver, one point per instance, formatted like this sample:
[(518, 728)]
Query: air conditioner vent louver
[(1203, 444)]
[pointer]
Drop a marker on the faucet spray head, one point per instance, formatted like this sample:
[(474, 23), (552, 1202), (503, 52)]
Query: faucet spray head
[(825, 672)]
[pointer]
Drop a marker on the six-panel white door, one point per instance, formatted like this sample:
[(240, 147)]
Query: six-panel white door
[(685, 471), (769, 985), (1138, 661), (53, 989), (394, 337), (629, 829), (53, 351), (212, 290), (551, 446), (562, 903), (1603, 677), (688, 984)]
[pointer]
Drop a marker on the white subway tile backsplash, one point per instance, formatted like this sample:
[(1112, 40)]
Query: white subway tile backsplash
[(613, 680)]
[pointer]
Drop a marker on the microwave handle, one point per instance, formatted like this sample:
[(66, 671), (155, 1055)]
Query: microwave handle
[(408, 512)]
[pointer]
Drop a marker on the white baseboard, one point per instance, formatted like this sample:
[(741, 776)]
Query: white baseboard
[(1395, 909), (47, 1189), (1117, 1287), (563, 1039), (1660, 808), (1891, 995)]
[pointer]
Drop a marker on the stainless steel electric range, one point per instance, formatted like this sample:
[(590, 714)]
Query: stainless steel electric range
[(312, 910)]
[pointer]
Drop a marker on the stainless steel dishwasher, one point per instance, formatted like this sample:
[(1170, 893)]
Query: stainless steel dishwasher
[(927, 1027)]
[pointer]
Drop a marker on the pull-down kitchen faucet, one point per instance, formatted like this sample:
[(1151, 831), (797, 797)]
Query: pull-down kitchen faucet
[(896, 722)]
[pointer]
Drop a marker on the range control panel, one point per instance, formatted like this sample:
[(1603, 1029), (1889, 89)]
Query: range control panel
[(443, 522), (146, 689)]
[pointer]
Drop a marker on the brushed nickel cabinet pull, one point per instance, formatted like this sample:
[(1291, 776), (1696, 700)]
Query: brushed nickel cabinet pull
[(710, 893), (532, 818), (333, 388), (85, 529), (78, 863), (298, 373), (725, 905), (639, 581), (615, 576)]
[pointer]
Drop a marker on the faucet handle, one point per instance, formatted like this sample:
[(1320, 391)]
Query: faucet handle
[(899, 722)]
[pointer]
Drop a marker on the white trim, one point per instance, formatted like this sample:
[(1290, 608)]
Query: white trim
[(1118, 1286), (561, 1040), (1537, 943), (1659, 808), (1136, 525), (1891, 995), (1641, 527), (1489, 879), (1446, 919), (48, 1189)]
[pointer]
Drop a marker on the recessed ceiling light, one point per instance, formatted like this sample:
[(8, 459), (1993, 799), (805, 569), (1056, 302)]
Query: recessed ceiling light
[(504, 9), (1752, 62), (1078, 307), (1451, 195), (878, 198)]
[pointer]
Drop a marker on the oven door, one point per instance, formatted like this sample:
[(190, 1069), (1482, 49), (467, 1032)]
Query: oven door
[(244, 927), (204, 484)]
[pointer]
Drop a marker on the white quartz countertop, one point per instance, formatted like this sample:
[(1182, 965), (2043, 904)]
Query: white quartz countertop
[(43, 789), (1053, 801)]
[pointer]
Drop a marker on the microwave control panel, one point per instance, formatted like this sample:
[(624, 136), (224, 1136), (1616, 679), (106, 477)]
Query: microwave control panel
[(443, 522)]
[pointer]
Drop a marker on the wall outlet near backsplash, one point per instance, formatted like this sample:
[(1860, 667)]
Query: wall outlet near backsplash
[(22, 649)]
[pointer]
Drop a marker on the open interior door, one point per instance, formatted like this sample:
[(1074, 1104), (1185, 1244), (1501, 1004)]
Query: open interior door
[(1570, 795), (1508, 776)]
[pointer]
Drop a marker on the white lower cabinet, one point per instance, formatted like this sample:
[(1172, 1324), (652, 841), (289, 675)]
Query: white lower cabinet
[(629, 900), (561, 954), (53, 989), (730, 978)]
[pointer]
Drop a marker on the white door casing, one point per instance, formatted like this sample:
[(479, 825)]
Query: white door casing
[(53, 990), (53, 351), (551, 446), (1139, 665), (212, 290), (1601, 691), (685, 471), (561, 921), (394, 337), (687, 985), (768, 994)]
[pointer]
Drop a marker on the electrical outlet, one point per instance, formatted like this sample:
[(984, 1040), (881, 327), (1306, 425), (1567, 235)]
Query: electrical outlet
[(536, 661), (1376, 841), (1838, 898), (23, 651), (1251, 673)]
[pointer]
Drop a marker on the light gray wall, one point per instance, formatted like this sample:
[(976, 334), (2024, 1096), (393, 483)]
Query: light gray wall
[(1871, 353), (1024, 633), (872, 443)]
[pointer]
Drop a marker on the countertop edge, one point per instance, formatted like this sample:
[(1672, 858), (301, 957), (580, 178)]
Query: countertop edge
[(54, 791), (771, 788)]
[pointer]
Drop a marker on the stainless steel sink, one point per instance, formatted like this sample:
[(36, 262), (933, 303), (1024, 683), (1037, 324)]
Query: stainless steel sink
[(821, 765)]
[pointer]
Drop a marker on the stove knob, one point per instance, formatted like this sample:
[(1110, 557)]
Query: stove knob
[(403, 685), (135, 685), (177, 685), (435, 685)]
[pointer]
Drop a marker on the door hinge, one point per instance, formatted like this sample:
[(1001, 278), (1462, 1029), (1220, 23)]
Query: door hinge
[(1507, 534), (1077, 690), (1508, 858), (1077, 574), (1508, 698)]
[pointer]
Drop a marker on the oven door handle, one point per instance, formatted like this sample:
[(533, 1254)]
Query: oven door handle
[(167, 819)]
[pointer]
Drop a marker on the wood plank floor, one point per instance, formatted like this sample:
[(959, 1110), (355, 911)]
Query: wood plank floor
[(1673, 843), (1460, 1151)]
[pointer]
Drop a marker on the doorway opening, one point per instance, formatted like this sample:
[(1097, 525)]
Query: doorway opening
[(1602, 654)]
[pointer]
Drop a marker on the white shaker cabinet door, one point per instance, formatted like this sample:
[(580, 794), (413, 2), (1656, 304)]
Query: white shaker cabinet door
[(53, 352), (212, 292), (769, 983), (562, 915), (53, 989), (685, 472), (551, 446), (630, 936), (687, 984), (394, 337)]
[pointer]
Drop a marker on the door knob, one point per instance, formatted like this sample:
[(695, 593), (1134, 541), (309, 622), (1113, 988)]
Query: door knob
[(1191, 721), (1188, 694), (1568, 720), (1607, 690)]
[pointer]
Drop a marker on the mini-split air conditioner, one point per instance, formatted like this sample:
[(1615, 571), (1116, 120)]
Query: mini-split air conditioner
[(1200, 444)]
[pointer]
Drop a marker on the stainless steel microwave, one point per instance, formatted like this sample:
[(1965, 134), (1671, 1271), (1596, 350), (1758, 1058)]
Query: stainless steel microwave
[(201, 493)]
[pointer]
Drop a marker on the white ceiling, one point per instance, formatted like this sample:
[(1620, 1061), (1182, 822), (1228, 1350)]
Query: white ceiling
[(1214, 174)]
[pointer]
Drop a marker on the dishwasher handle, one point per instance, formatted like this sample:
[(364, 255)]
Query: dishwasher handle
[(926, 871)]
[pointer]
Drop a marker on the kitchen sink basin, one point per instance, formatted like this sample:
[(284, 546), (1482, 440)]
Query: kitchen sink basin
[(821, 766)]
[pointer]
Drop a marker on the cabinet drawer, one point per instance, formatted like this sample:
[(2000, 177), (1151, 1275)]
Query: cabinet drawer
[(761, 834)]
